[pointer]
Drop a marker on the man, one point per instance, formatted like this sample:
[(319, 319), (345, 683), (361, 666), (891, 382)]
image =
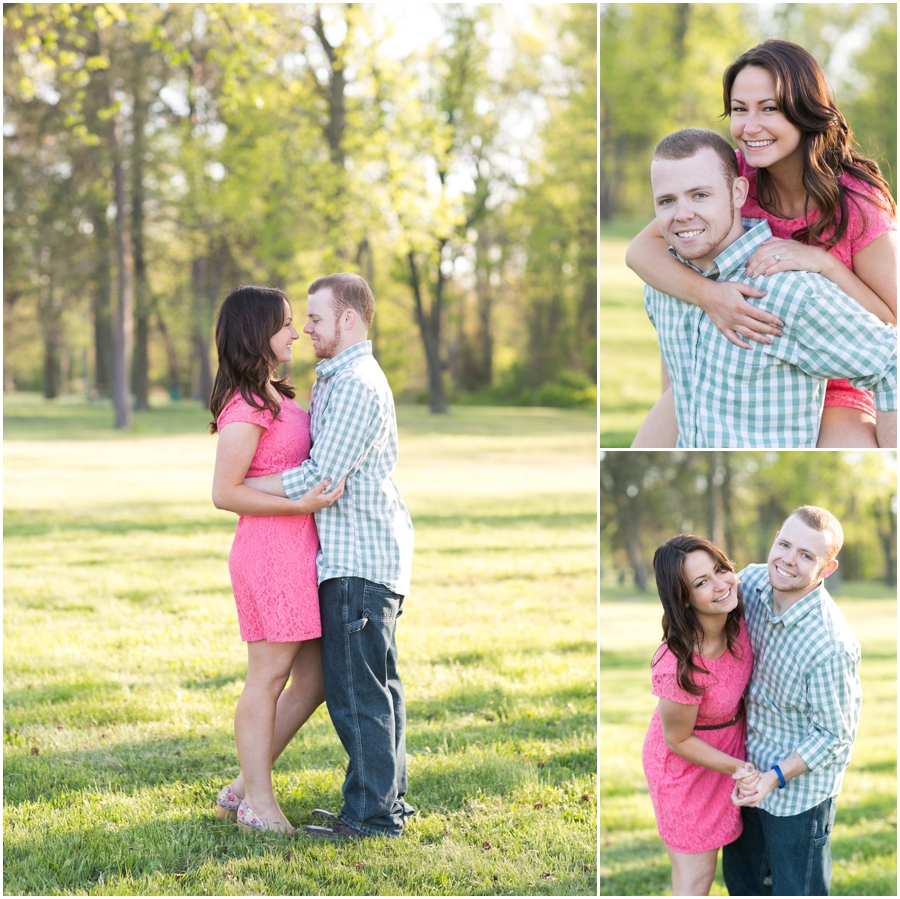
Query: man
[(365, 556), (772, 395), (802, 713)]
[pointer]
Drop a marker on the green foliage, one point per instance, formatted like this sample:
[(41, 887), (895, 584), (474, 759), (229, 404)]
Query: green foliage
[(740, 499), (273, 143), (633, 859), (569, 390), (123, 665)]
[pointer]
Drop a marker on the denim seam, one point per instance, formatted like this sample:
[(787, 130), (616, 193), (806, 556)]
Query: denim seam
[(810, 854), (348, 650)]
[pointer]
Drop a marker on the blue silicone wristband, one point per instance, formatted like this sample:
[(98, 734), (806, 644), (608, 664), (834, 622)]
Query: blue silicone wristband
[(782, 783)]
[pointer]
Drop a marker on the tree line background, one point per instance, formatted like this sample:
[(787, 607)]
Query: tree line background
[(156, 155), (661, 68), (739, 500)]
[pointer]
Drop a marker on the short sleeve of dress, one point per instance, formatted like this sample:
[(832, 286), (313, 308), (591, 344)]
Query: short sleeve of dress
[(868, 218), (238, 409), (665, 682)]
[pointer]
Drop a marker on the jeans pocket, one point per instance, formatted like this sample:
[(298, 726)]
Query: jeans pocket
[(381, 604), (356, 626), (821, 842)]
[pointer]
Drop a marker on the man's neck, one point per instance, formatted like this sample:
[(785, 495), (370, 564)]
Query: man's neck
[(782, 602), (346, 346)]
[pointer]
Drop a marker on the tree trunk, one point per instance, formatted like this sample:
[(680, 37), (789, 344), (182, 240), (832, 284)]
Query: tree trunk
[(636, 557), (142, 306), (51, 365), (886, 522), (101, 307), (174, 380), (485, 297), (205, 277), (429, 322), (141, 367), (123, 334), (124, 324)]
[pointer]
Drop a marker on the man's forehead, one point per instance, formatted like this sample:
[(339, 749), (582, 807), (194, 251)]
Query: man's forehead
[(704, 165), (319, 300), (794, 530)]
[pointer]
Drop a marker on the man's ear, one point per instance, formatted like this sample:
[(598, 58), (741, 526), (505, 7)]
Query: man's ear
[(829, 569), (348, 318), (739, 190)]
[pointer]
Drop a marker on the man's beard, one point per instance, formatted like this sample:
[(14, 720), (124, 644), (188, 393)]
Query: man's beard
[(701, 253), (327, 351)]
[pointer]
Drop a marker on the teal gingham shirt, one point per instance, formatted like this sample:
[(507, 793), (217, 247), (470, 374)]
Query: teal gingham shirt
[(804, 694), (770, 396), (367, 533)]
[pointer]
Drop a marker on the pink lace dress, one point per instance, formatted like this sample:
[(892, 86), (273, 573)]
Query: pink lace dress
[(693, 807), (273, 558), (861, 231)]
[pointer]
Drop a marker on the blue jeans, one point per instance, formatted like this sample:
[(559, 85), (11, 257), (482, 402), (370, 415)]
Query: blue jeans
[(775, 856), (365, 700)]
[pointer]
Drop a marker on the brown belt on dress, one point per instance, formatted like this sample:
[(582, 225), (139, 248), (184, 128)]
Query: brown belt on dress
[(734, 720)]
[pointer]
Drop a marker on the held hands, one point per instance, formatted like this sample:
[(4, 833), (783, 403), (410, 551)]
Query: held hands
[(730, 310), (791, 257), (746, 775), (317, 498), (750, 796)]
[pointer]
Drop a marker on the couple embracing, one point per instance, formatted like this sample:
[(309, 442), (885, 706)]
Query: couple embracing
[(322, 555), (759, 700)]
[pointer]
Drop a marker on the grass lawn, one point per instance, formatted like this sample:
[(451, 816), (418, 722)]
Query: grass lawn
[(122, 665), (633, 861), (630, 374)]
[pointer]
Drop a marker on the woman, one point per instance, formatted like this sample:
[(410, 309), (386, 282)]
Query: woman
[(829, 209), (695, 745), (273, 560)]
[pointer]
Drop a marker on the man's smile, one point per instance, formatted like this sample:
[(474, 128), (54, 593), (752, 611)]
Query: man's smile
[(784, 573), (687, 235)]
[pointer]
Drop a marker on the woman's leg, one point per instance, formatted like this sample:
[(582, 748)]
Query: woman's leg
[(304, 694), (660, 427), (268, 668), (692, 873), (846, 428)]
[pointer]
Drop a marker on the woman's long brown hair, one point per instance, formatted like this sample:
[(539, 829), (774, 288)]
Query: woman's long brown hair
[(682, 631), (805, 99), (247, 320)]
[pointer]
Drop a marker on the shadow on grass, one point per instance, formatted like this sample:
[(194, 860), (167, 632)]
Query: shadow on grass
[(487, 658), (537, 745), (635, 869), (152, 517)]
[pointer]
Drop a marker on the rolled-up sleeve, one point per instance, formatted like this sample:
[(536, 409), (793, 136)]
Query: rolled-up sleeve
[(834, 695)]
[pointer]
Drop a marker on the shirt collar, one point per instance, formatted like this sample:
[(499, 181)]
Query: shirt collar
[(327, 367), (798, 611), (734, 256)]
